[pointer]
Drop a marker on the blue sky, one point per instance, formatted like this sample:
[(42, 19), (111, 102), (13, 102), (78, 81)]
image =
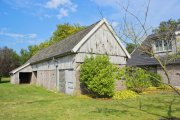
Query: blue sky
[(29, 22)]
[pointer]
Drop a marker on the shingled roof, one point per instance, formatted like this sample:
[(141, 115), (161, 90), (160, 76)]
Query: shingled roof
[(64, 46), (139, 58)]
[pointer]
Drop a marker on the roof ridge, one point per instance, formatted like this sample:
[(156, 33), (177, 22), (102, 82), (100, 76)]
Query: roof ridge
[(72, 40)]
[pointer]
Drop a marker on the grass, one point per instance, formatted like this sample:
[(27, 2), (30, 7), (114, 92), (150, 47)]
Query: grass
[(27, 102)]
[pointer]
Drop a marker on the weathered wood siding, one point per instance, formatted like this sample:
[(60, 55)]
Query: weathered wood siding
[(114, 59), (15, 78), (66, 62), (48, 75), (102, 42), (47, 79)]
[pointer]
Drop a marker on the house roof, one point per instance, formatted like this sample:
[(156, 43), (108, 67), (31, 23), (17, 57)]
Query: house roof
[(72, 43), (140, 58)]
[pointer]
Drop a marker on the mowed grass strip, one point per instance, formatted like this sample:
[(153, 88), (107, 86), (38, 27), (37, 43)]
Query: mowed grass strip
[(27, 102)]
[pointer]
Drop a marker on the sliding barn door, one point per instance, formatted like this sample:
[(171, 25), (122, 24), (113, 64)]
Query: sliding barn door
[(66, 81)]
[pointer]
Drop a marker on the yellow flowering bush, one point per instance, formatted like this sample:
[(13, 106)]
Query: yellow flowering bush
[(125, 94), (151, 88)]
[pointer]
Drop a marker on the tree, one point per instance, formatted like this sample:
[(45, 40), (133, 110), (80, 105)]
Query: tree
[(130, 47), (9, 60), (62, 31), (165, 26)]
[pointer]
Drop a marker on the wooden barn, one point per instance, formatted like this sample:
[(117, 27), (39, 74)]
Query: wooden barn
[(57, 67)]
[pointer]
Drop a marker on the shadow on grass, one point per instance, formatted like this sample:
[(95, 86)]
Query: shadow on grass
[(4, 81), (163, 117), (108, 111)]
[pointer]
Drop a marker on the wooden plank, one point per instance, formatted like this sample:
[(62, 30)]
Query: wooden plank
[(102, 42)]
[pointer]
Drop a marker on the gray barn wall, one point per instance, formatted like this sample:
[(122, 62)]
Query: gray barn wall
[(48, 74), (118, 60), (15, 78), (172, 70), (102, 42)]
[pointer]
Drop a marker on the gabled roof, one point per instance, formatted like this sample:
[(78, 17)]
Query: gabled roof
[(20, 68), (72, 43)]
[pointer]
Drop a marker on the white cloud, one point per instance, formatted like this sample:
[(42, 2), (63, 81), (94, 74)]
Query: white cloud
[(17, 35), (64, 7), (44, 8), (62, 13), (115, 24), (56, 3)]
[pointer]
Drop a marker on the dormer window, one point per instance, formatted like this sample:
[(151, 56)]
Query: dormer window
[(163, 46)]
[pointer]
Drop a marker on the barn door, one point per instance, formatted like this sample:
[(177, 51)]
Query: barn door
[(62, 83), (66, 81), (70, 81)]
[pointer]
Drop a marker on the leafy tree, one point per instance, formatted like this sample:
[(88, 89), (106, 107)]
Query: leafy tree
[(98, 75), (62, 31), (166, 26), (9, 60), (130, 47), (25, 55)]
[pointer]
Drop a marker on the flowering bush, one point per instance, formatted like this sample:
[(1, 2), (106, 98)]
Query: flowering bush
[(125, 94)]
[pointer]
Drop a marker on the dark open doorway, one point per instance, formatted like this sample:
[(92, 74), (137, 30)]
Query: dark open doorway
[(25, 77)]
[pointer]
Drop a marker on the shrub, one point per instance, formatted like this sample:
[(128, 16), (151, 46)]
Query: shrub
[(156, 79), (0, 77), (98, 75), (164, 87), (125, 94), (135, 79)]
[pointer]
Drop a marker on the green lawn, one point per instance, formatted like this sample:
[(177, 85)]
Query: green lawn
[(27, 102)]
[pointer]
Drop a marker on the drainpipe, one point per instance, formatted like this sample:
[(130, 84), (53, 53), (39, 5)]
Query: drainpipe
[(56, 65), (56, 77)]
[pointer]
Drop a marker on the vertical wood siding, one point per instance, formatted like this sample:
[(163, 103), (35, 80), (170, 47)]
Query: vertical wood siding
[(102, 42)]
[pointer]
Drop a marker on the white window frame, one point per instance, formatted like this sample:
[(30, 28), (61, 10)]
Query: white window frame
[(163, 47)]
